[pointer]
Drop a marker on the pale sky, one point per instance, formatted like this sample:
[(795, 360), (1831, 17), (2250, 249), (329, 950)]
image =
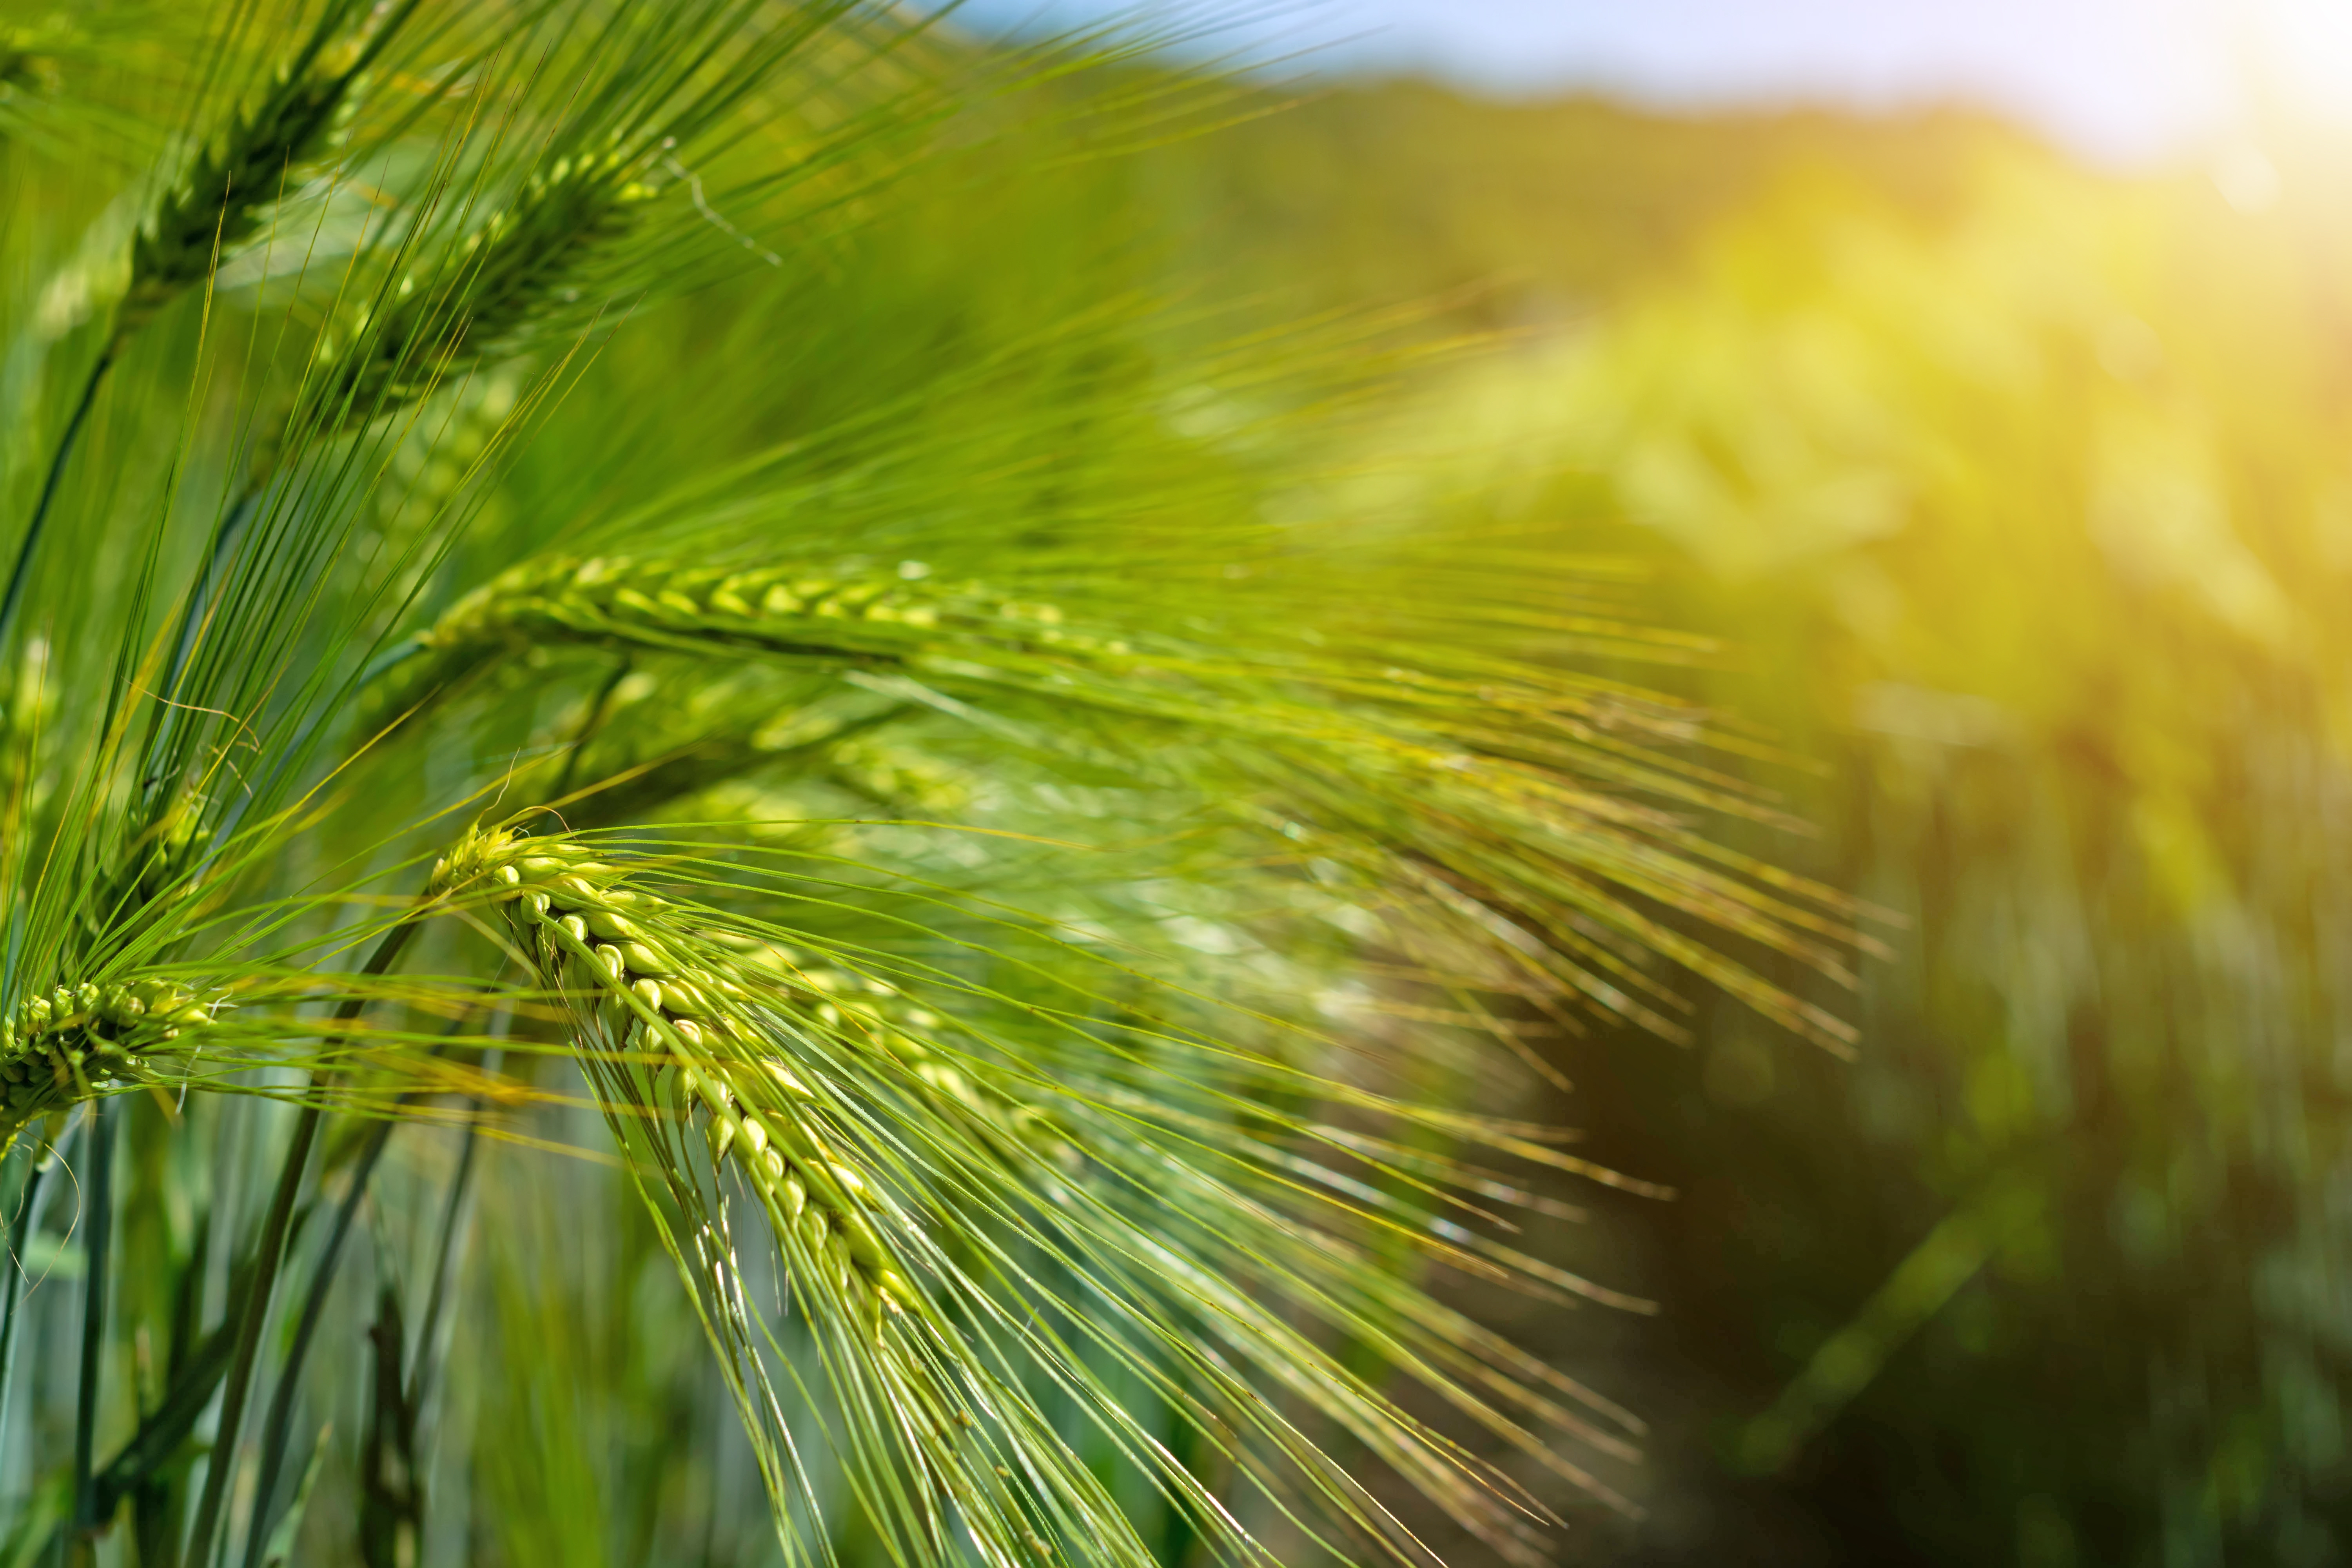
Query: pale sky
[(2114, 78)]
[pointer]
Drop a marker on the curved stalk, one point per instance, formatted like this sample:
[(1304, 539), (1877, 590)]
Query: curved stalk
[(13, 602), (444, 1254)]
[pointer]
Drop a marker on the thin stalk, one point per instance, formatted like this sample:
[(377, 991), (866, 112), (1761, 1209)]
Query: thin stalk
[(278, 1426), (419, 1374), (159, 1440), (161, 1435), (65, 443), (266, 1263), (392, 1486), (248, 1338), (589, 725), (28, 1215), (98, 1249), (445, 1259)]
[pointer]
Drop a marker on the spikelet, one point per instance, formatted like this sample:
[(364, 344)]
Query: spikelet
[(678, 1002), (66, 1045), (221, 202), (873, 1016), (787, 609), (482, 297)]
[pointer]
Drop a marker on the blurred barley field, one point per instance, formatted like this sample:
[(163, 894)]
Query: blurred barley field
[(2016, 496)]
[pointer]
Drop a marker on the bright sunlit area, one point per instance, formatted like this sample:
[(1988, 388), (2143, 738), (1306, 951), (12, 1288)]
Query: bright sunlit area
[(2116, 80), (1219, 784)]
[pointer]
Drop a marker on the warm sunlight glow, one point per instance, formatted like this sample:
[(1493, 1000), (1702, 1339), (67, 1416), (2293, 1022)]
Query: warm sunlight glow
[(2305, 55)]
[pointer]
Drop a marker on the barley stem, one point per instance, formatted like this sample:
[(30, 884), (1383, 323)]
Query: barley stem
[(278, 1426), (255, 1307), (166, 1427), (33, 530), (445, 1255), (20, 1233), (163, 1430), (589, 725), (98, 1139), (266, 1263)]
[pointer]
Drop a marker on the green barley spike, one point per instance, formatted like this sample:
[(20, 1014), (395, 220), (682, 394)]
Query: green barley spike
[(483, 295), (64, 1045), (221, 202), (788, 608), (679, 1001)]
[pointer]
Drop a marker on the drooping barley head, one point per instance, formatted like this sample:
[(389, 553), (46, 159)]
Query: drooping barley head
[(645, 985)]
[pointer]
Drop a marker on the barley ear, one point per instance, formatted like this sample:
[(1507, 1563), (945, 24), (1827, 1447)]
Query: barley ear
[(626, 958), (657, 998), (73, 1043), (221, 200), (482, 296)]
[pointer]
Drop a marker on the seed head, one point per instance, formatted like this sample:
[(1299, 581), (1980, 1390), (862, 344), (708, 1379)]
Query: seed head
[(62, 1046), (154, 868), (676, 1001), (234, 182), (785, 608), (483, 295)]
